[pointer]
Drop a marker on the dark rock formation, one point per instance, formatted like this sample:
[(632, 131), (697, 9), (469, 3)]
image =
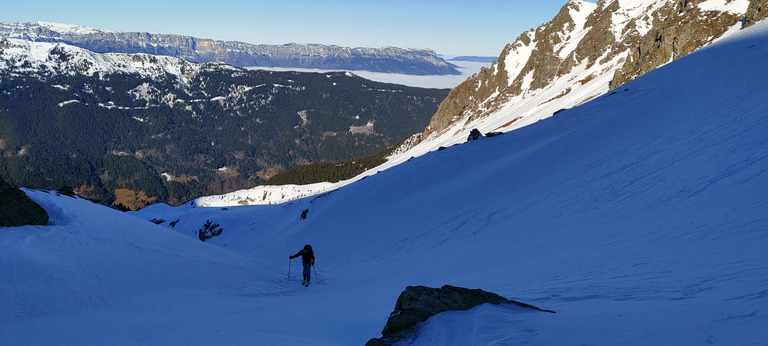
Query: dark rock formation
[(209, 230), (16, 209), (474, 135), (417, 303)]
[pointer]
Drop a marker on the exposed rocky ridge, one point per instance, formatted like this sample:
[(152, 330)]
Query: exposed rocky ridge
[(582, 43), (757, 10), (417, 303), (385, 59), (678, 29)]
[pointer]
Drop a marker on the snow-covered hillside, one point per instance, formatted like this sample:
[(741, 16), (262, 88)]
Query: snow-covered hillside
[(640, 217)]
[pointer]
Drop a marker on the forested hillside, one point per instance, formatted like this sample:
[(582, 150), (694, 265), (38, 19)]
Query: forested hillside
[(209, 129)]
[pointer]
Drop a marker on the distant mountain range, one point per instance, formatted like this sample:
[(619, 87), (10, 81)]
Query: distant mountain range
[(385, 59)]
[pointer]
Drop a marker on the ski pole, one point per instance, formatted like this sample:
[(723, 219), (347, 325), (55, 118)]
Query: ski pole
[(313, 268)]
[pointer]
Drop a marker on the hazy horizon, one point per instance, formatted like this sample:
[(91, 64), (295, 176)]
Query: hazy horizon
[(450, 28)]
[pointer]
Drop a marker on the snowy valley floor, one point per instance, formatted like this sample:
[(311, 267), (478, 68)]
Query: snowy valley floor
[(640, 217)]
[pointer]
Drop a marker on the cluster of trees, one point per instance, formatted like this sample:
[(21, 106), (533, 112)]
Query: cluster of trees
[(95, 134), (331, 171)]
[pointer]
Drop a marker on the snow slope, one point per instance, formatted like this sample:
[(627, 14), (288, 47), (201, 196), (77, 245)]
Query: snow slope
[(640, 217)]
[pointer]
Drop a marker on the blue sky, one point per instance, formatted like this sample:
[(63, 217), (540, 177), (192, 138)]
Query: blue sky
[(477, 27)]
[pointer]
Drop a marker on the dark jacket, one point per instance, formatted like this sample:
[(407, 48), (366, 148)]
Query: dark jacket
[(307, 256)]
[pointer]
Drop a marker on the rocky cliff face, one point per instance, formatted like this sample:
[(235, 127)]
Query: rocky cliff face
[(386, 59), (757, 10), (679, 28), (586, 50)]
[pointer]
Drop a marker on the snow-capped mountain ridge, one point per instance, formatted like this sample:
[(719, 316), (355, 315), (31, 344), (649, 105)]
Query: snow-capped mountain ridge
[(416, 61), (583, 42), (46, 60), (25, 57)]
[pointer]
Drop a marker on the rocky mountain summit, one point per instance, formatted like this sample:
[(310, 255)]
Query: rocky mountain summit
[(586, 50), (385, 59)]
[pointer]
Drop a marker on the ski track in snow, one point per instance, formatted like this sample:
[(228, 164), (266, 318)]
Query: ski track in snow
[(639, 217)]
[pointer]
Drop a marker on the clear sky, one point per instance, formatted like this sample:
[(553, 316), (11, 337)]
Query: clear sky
[(470, 27)]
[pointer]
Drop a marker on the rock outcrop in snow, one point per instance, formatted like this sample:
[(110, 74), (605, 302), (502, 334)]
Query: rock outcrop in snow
[(16, 209), (417, 303)]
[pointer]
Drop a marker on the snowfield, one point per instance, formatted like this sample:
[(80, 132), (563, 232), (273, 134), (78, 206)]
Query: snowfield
[(640, 217)]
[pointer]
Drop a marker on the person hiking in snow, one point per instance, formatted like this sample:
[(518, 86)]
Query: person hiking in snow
[(307, 260)]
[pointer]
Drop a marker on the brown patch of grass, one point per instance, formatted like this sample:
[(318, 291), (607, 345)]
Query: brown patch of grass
[(587, 79), (509, 123), (565, 92), (133, 200)]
